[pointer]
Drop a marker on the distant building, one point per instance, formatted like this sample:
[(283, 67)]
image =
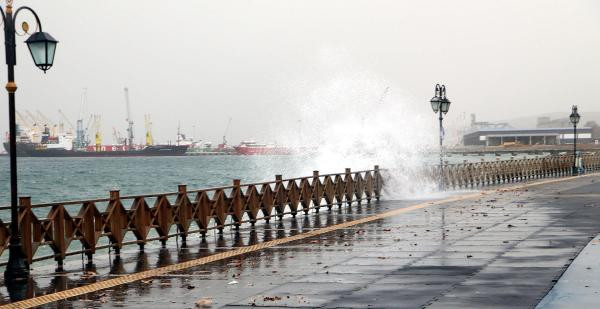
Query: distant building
[(481, 125), (538, 136), (595, 129), (546, 122)]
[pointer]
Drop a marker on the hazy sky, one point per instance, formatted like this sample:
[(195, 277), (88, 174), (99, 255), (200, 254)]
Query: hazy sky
[(201, 62)]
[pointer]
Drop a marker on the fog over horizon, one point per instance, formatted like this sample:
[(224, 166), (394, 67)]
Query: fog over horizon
[(280, 69)]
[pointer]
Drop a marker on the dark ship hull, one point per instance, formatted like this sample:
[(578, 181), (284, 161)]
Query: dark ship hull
[(33, 150)]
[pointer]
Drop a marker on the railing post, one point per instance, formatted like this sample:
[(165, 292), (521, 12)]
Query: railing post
[(497, 176), (471, 172), (237, 193), (349, 189), (182, 191), (377, 182), (316, 191), (279, 207), (509, 170), (115, 196), (447, 174), (26, 228)]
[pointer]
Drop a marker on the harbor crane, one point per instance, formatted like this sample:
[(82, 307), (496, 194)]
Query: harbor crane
[(80, 133), (37, 125), (86, 137), (22, 120), (45, 119), (97, 132), (384, 94), (119, 140), (33, 118), (382, 98), (148, 124), (64, 117), (129, 120), (54, 128), (224, 144)]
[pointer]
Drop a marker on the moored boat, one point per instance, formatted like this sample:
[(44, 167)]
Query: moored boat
[(40, 150), (254, 148)]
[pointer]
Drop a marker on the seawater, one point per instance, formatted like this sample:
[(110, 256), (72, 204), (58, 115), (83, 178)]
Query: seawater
[(63, 179)]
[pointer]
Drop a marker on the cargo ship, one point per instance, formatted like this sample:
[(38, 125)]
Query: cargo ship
[(39, 150), (62, 146), (254, 148)]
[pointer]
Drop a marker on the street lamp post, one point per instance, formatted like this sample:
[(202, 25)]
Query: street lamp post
[(440, 104), (41, 46), (574, 117)]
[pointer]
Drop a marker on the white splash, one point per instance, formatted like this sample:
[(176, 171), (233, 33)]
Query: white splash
[(357, 120)]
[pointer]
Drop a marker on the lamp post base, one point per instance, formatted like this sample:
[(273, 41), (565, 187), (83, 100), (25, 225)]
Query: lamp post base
[(16, 268)]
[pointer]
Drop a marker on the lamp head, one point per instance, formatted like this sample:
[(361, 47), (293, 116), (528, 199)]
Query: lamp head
[(435, 103), (445, 105), (42, 47), (574, 117)]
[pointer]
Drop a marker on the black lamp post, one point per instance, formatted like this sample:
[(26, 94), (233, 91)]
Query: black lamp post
[(440, 104), (574, 117), (41, 46)]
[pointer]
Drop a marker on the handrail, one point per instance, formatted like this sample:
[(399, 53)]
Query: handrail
[(485, 173), (208, 208)]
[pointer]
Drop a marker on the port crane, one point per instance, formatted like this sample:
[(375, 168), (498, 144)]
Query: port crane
[(224, 143), (64, 117), (97, 131), (22, 120), (45, 119), (80, 133), (33, 118), (119, 140), (129, 120), (86, 136), (148, 124), (384, 94), (53, 127)]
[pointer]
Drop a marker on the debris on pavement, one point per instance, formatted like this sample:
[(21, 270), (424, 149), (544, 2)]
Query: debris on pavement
[(204, 302)]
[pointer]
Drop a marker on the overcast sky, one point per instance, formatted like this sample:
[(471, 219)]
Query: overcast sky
[(201, 62)]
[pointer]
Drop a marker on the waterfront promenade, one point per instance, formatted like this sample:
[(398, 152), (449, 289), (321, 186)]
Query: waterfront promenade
[(504, 247)]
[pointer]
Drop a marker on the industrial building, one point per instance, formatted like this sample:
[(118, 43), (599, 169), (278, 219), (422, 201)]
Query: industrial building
[(538, 136)]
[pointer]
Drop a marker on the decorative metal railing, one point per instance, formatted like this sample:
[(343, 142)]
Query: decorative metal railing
[(91, 221), (469, 175)]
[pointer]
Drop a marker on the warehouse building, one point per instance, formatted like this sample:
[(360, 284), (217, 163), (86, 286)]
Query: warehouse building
[(539, 136)]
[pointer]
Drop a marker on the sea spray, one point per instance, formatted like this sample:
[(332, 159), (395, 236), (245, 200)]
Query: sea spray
[(357, 120)]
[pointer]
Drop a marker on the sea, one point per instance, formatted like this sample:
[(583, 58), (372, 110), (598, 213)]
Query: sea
[(63, 179)]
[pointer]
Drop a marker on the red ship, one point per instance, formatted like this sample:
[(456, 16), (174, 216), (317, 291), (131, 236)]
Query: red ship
[(253, 148)]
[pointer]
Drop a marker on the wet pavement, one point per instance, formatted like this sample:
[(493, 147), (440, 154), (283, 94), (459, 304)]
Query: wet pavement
[(503, 249), (579, 286)]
